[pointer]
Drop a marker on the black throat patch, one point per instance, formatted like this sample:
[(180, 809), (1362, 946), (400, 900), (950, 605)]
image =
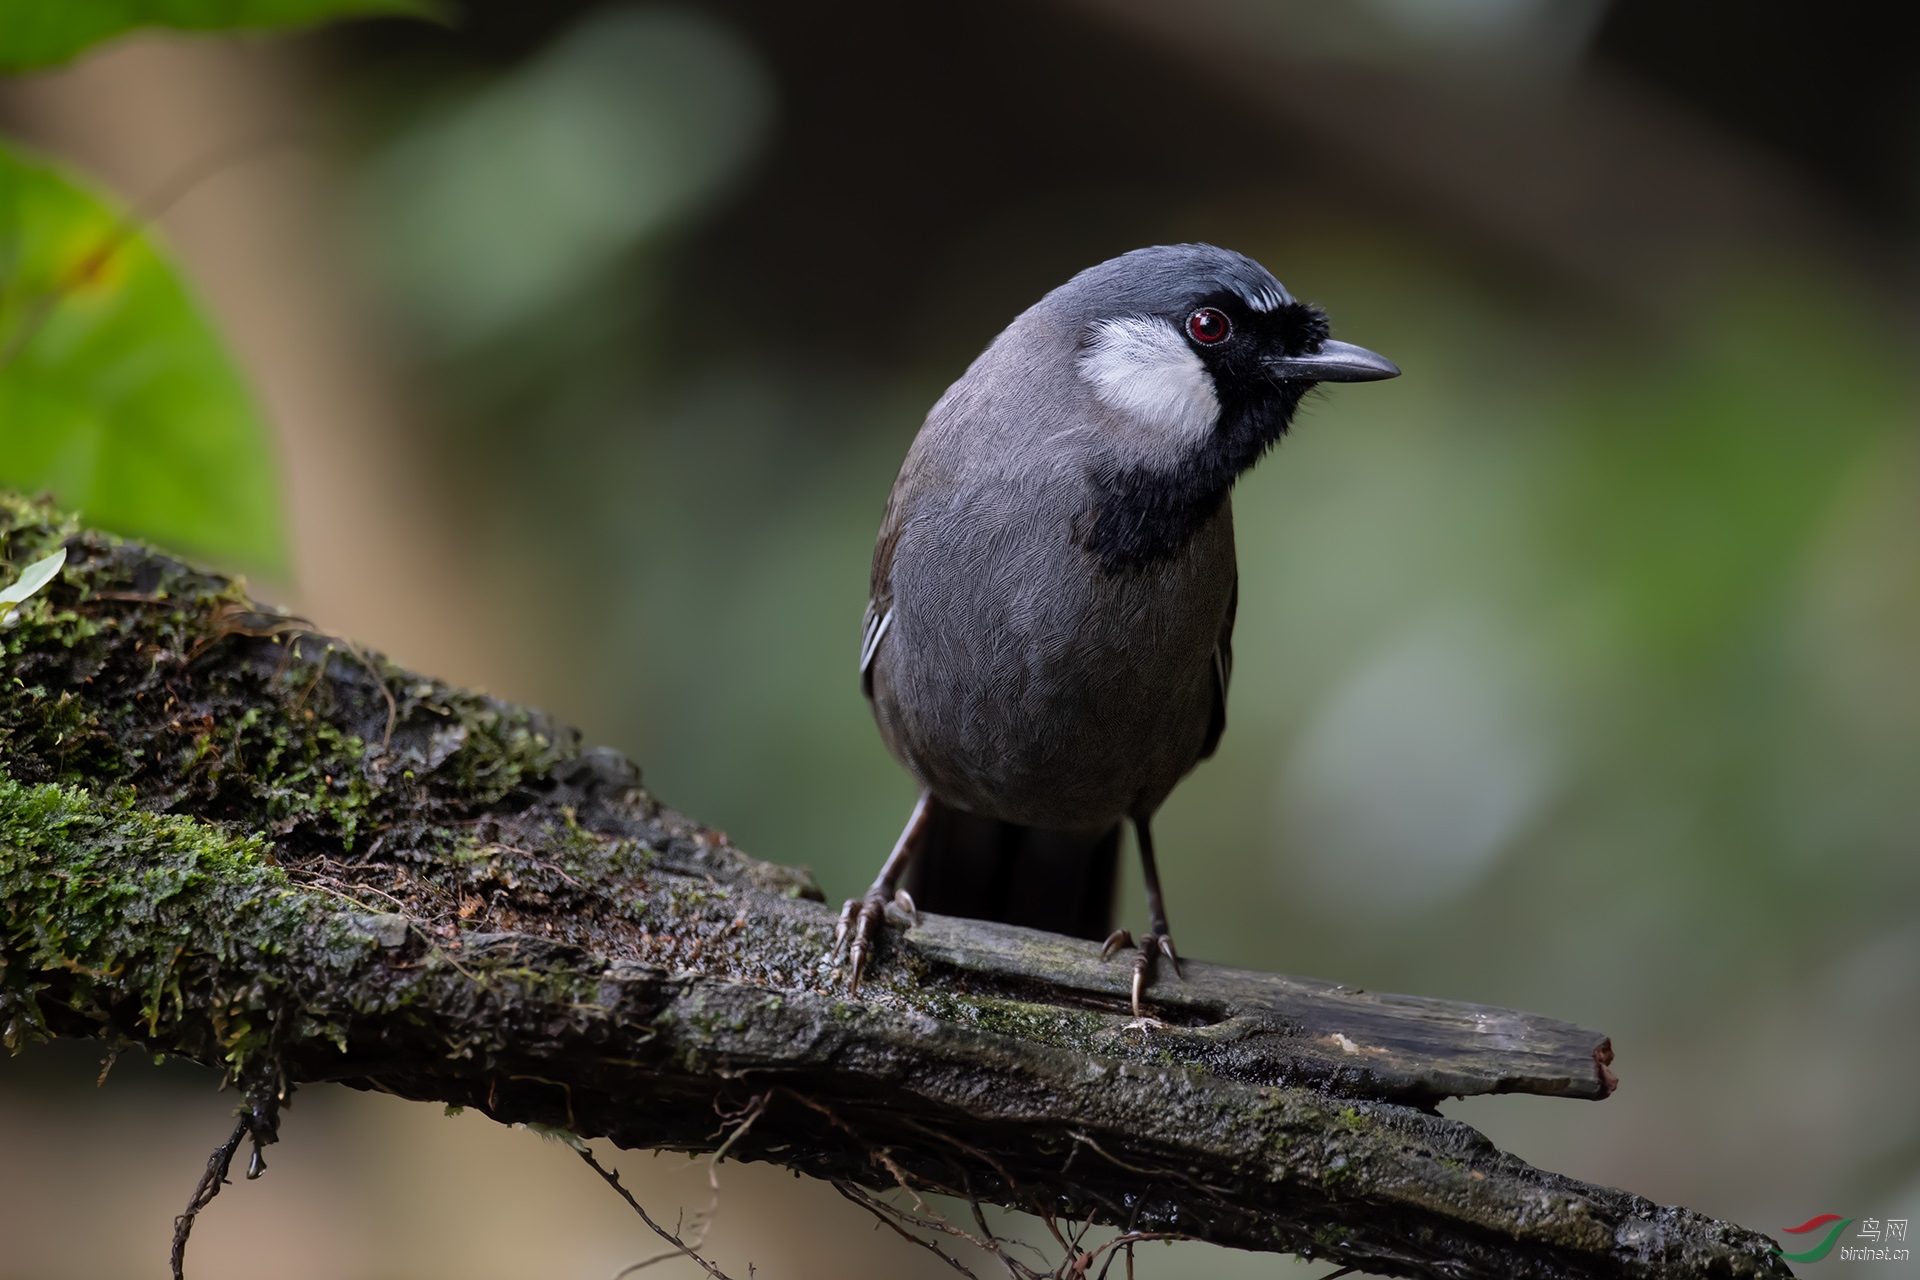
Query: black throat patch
[(1142, 515)]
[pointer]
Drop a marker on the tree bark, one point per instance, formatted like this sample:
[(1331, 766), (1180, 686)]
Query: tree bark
[(226, 837)]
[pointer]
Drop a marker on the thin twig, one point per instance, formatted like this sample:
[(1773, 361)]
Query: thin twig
[(209, 1186), (969, 1149), (1013, 1265), (326, 884), (1132, 1218), (680, 1247), (1129, 1239), (883, 1212), (754, 1110), (229, 620), (932, 1219), (537, 861), (1214, 1192), (881, 1157), (703, 1221)]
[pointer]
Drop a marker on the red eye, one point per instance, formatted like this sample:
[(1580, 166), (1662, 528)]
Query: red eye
[(1208, 325)]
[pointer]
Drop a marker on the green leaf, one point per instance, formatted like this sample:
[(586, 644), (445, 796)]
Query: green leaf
[(115, 393), (41, 33), (37, 575)]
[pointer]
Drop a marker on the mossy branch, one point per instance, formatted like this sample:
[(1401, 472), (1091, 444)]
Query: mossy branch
[(226, 837)]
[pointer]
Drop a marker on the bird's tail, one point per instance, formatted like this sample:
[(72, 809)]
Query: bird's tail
[(986, 869)]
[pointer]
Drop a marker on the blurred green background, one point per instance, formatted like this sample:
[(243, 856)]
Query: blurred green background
[(1577, 670)]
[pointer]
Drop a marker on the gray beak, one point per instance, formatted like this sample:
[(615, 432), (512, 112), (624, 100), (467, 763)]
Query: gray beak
[(1334, 362)]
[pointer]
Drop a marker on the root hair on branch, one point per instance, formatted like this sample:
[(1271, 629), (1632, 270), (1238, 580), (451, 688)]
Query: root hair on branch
[(218, 1165)]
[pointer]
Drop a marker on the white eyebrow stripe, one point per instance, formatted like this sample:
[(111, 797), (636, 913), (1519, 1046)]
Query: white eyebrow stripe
[(1263, 298), (1143, 369)]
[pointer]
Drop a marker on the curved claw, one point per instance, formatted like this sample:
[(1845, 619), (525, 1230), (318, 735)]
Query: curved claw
[(840, 930), (860, 920), (857, 960), (1154, 944), (1166, 949)]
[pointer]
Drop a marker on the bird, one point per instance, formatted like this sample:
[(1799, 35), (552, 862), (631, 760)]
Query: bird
[(1048, 639)]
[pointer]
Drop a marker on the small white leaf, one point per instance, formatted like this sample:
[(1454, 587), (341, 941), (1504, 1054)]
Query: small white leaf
[(37, 575)]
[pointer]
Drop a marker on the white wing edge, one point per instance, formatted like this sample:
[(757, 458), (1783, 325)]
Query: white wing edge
[(876, 630)]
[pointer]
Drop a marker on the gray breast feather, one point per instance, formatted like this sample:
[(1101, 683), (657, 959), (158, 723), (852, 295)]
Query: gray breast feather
[(1022, 682)]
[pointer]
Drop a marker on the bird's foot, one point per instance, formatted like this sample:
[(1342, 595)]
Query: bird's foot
[(860, 921), (1157, 943)]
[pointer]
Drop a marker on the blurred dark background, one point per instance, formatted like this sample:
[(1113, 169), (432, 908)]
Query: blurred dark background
[(1578, 669)]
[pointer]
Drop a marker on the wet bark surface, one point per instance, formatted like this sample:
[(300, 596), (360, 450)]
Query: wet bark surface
[(227, 837)]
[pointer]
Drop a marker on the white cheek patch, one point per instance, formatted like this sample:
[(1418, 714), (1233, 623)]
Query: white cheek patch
[(1143, 370)]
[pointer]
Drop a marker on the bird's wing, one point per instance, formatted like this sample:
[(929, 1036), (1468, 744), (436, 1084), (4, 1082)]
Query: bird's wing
[(1222, 674), (879, 614)]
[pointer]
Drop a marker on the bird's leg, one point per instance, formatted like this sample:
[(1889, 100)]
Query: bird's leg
[(861, 917), (1158, 942)]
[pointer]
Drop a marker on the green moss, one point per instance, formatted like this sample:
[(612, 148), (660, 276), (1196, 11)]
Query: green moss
[(494, 746), (314, 777), (138, 668), (121, 899), (31, 528), (1026, 1020)]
